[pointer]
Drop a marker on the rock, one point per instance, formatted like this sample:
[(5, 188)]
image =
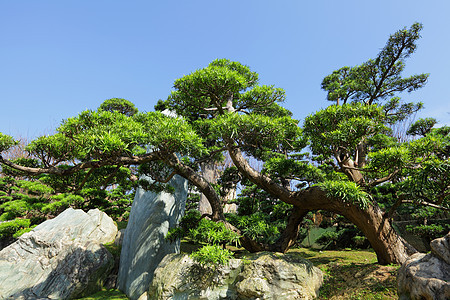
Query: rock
[(426, 276), (119, 237), (441, 248), (261, 276), (59, 259), (144, 244)]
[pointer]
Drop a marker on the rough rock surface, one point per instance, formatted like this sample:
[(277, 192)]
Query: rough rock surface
[(426, 276), (144, 244), (59, 259), (261, 276)]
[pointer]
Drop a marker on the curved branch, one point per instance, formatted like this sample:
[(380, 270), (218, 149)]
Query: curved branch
[(123, 160), (427, 204)]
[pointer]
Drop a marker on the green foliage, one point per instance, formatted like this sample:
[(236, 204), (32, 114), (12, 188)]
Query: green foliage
[(347, 192), (422, 126), (214, 233), (344, 237), (341, 128), (258, 228), (378, 78), (202, 231), (386, 160), (61, 202), (120, 105), (431, 232), (6, 142), (212, 255), (14, 209), (260, 135), (22, 231), (9, 228)]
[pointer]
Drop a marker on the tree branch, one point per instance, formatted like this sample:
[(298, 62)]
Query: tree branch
[(124, 160), (427, 204)]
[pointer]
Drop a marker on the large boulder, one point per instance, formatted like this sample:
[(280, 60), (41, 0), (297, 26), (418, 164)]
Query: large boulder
[(61, 258), (144, 244), (427, 276), (261, 276)]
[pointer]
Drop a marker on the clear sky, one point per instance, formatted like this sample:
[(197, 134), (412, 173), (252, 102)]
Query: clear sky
[(58, 58)]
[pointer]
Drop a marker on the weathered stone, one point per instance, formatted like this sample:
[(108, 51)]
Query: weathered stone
[(59, 259), (426, 276), (441, 248), (263, 276), (144, 244), (119, 237)]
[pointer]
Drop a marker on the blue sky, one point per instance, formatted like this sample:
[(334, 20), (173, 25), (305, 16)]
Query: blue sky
[(58, 58)]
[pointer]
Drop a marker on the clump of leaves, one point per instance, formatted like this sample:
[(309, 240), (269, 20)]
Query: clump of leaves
[(259, 228), (209, 233), (202, 231), (10, 228), (212, 255), (346, 191), (431, 231)]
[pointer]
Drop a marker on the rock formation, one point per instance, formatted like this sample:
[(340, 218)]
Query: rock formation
[(261, 276), (61, 258), (427, 276), (144, 244)]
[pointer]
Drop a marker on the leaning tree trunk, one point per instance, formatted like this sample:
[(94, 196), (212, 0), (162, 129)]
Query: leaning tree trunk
[(389, 246), (386, 242)]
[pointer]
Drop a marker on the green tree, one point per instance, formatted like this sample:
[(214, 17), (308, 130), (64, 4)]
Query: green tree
[(225, 109)]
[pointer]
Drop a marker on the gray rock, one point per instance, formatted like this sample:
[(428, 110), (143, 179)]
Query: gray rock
[(441, 248), (59, 259), (426, 276), (144, 244), (261, 276), (119, 237)]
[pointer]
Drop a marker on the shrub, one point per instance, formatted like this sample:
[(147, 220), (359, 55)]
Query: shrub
[(9, 228), (212, 255)]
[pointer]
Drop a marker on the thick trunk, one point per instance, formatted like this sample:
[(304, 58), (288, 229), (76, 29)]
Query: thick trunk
[(209, 172), (350, 169), (389, 246)]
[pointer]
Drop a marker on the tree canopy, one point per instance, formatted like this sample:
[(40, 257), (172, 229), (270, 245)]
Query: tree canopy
[(334, 161)]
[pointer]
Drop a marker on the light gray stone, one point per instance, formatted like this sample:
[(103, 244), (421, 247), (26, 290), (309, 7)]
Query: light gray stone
[(144, 244), (441, 248), (426, 276), (59, 259), (260, 276)]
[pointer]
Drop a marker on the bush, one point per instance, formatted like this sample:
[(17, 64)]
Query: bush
[(212, 255), (9, 228)]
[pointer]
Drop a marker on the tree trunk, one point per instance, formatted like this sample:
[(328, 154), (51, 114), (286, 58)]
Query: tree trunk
[(389, 246), (290, 233), (209, 172)]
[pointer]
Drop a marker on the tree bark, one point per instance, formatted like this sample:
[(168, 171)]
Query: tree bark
[(209, 172), (203, 185)]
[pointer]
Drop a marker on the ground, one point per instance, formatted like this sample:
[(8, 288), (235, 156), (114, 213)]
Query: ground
[(353, 274)]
